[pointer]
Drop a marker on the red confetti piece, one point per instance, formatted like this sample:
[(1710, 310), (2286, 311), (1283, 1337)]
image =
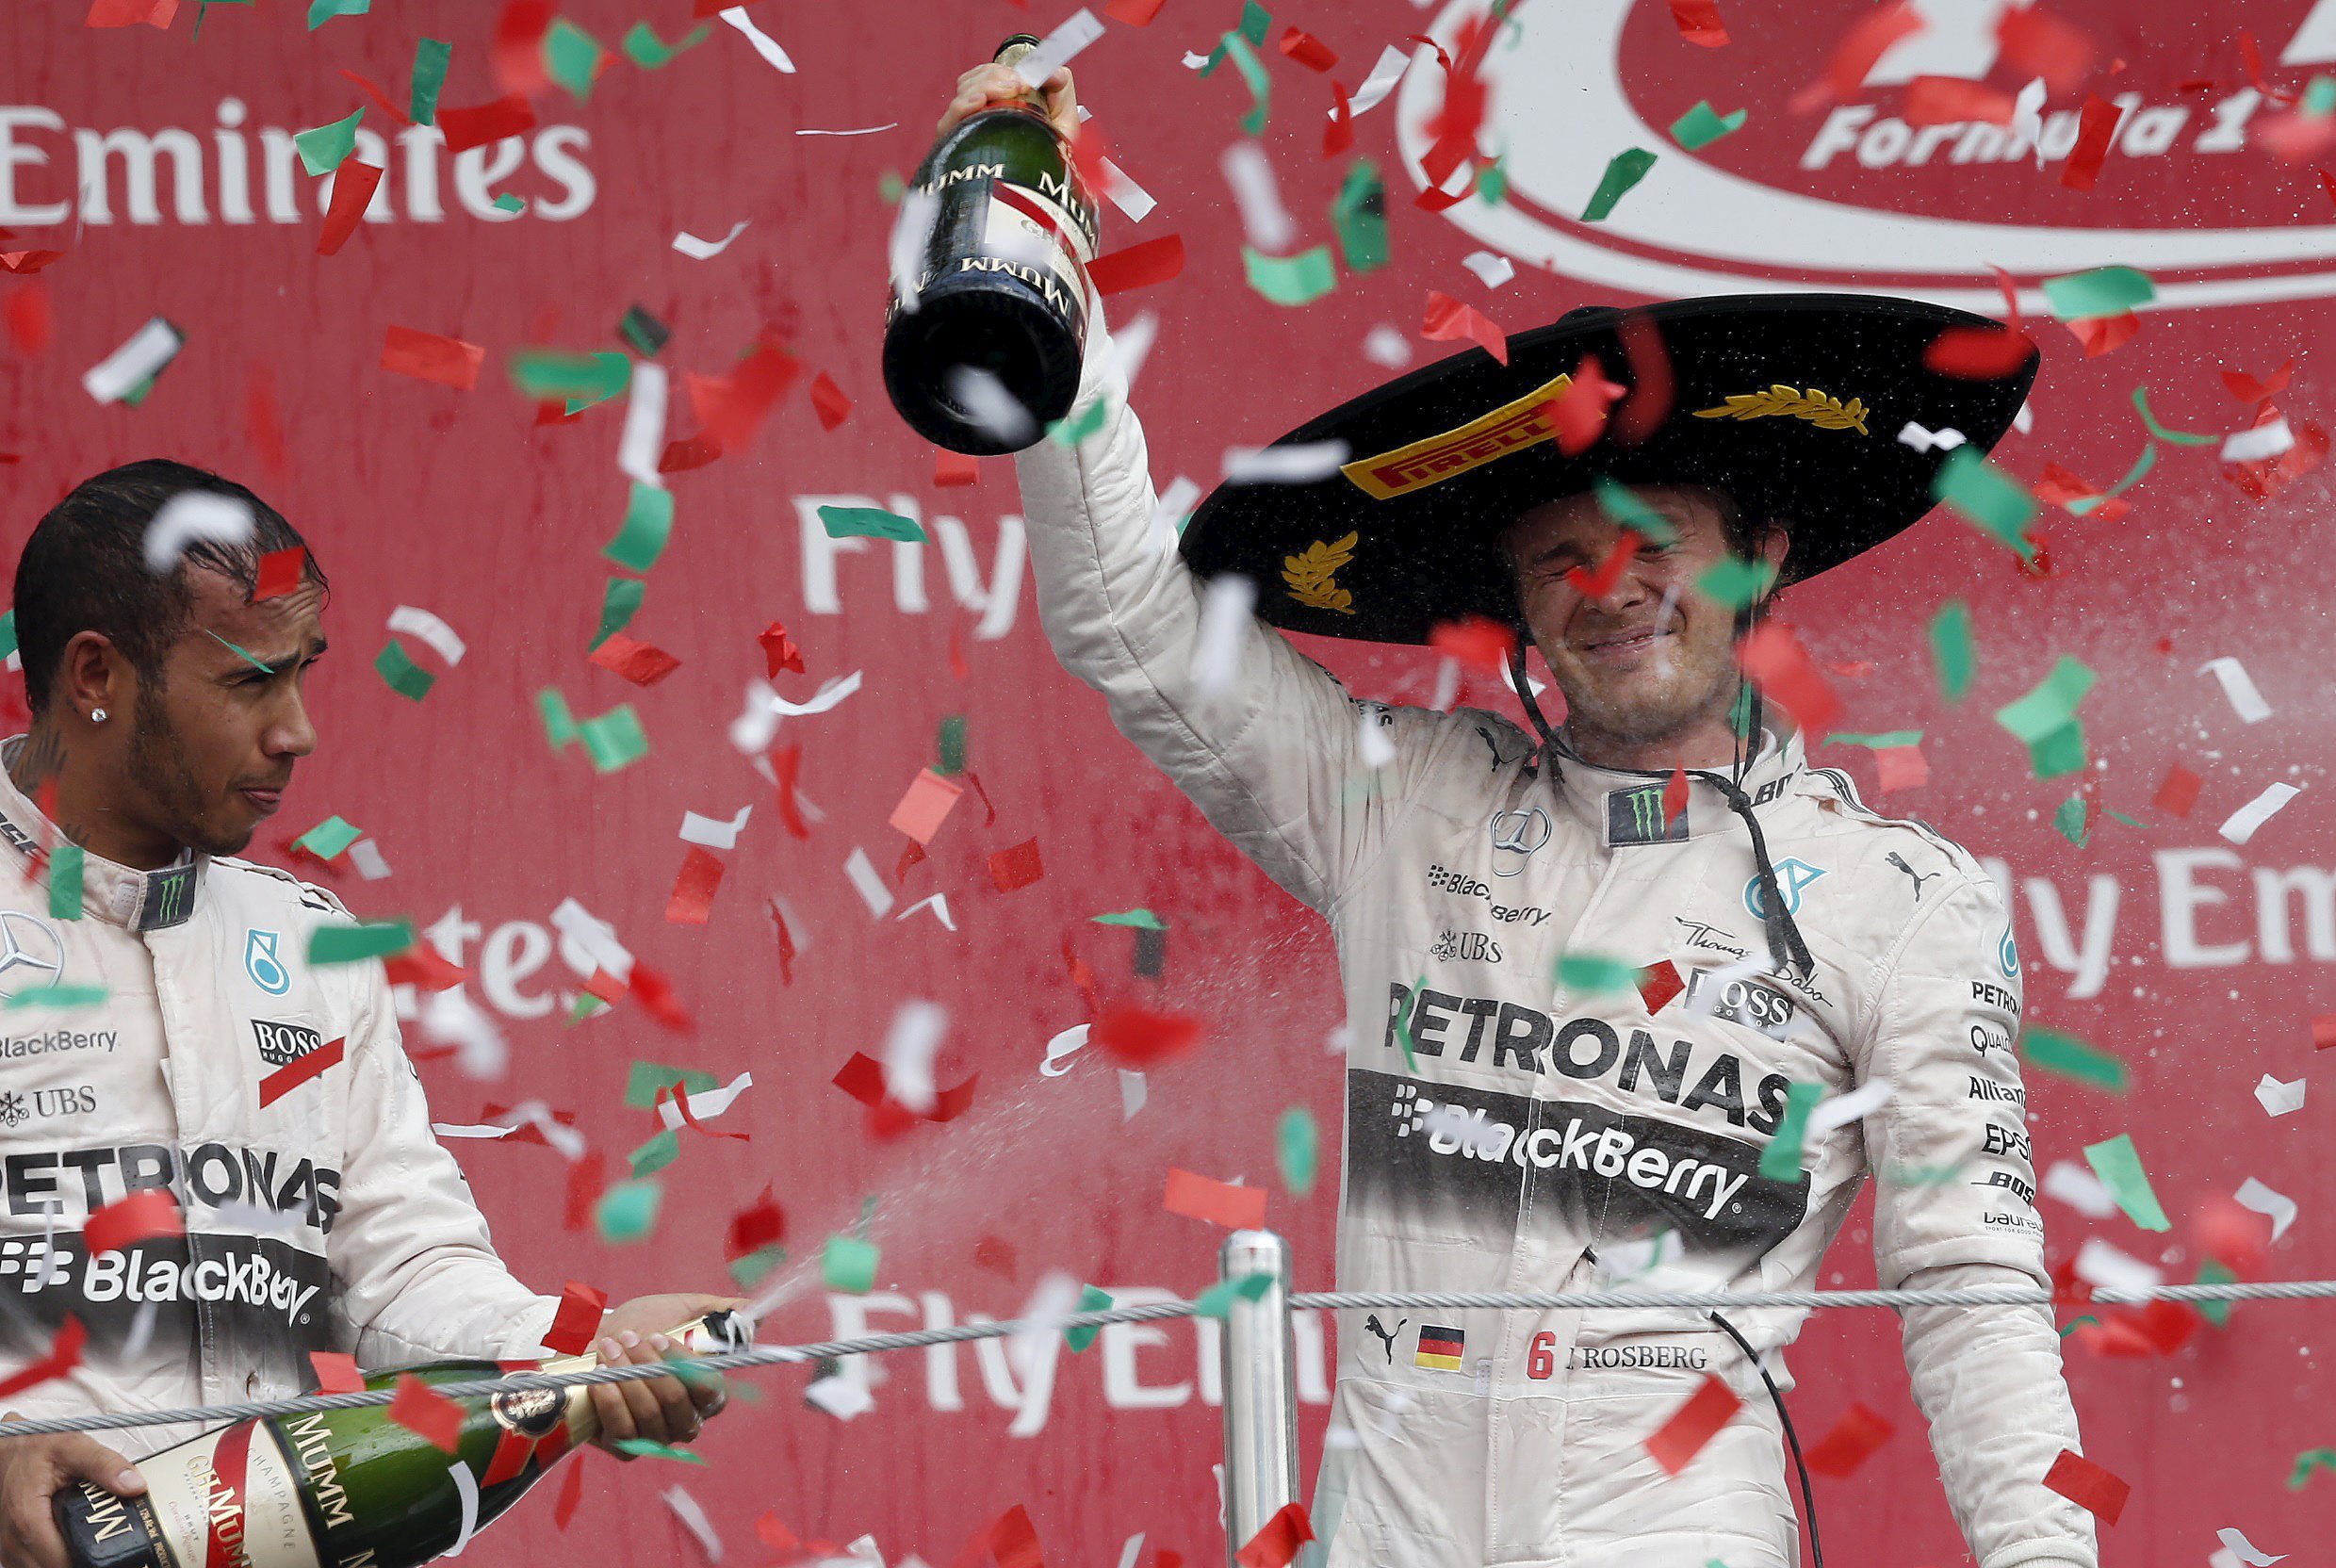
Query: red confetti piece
[(25, 263), (1137, 266), (1648, 403), (1135, 13), (1699, 22), (128, 13), (280, 572), (353, 183), (1695, 1424), (31, 323), (144, 1215), (2102, 335), (2250, 57), (731, 410), (2061, 487), (1276, 1543), (1851, 1441), (1436, 200), (425, 966), (2037, 45), (786, 944), (2323, 1031), (925, 805), (1579, 411), (426, 357), (752, 1228), (1860, 49), (1013, 1540), (515, 52), (427, 1414), (336, 1372), (2096, 127), (780, 652), (1218, 1202), (587, 1180), (996, 1254), (1448, 319), (1902, 768), (828, 401), (638, 663), (2327, 183), (1338, 133), (300, 1070), (380, 100), (571, 1494), (64, 1355), (1943, 100), (2179, 792), (862, 1078), (2247, 389), (1675, 789), (656, 996), (1083, 979), (1659, 982), (786, 761), (1597, 584), (693, 888), (1017, 867), (2089, 1486), (953, 468), (484, 123), (1781, 667), (1461, 115), (578, 1319), (1307, 50), (688, 452), (680, 1097), (1476, 642), (1139, 1037)]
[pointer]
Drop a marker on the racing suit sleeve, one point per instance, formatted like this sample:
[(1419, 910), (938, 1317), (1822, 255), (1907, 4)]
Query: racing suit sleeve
[(418, 1275), (1955, 1185), (1273, 758)]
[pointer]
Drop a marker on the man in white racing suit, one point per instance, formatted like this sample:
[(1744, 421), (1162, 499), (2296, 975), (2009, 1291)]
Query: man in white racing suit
[(1510, 1128), (164, 1028)]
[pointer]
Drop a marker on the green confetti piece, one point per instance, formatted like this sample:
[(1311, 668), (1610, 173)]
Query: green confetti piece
[(2217, 1312), (1261, 86), (2102, 291), (2178, 437), (240, 653), (619, 603), (552, 706), (1986, 496), (508, 202), (1735, 582), (1492, 181), (1403, 1024), (750, 1270), (1702, 125), (1255, 22), (872, 522), (1621, 503), (2142, 465), (2319, 97), (648, 525), (2075, 1323), (1625, 170), (572, 57), (1090, 1299), (1298, 1150), (323, 148), (430, 63), (8, 633), (891, 187), (405, 678), (585, 1007), (2070, 819), (614, 739), (60, 997), (646, 332), (1071, 429), (2307, 1462), (65, 862), (322, 11), (352, 944), (655, 1155), (1739, 714), (583, 380), (329, 837), (2130, 821), (1298, 279), (645, 1078), (627, 1211), (1358, 217), (1952, 653), (2045, 719), (1781, 1160), (1595, 974), (1141, 918), (1216, 1301), (952, 746), (646, 50), (2117, 1163), (849, 1265), (1884, 742), (2070, 1057)]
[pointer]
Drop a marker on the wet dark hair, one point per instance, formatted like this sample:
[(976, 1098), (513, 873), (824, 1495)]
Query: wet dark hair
[(84, 568)]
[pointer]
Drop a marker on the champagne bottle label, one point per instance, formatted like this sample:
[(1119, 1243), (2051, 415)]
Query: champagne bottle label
[(1023, 225), (228, 1500)]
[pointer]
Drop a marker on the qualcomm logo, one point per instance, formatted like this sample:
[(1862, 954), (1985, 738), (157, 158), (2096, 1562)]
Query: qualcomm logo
[(1558, 106)]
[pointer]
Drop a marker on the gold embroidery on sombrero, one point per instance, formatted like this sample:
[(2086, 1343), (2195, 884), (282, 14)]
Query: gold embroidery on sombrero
[(1818, 408), (1312, 575)]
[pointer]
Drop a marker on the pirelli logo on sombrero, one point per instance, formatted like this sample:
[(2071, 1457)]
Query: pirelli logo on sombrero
[(1511, 427)]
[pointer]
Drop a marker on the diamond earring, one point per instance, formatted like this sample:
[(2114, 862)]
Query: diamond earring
[(97, 715)]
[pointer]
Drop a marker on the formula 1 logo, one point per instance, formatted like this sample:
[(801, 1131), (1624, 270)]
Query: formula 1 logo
[(1793, 875)]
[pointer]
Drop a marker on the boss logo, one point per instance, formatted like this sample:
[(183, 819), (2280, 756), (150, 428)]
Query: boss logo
[(280, 1044)]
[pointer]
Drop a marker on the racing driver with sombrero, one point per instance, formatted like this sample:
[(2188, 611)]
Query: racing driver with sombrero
[(1507, 1131)]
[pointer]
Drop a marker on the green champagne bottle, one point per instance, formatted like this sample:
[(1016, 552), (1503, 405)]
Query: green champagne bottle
[(343, 1488), (1002, 282)]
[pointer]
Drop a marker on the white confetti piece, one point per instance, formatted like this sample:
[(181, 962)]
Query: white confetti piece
[(1131, 345), (1448, 685), (1122, 191), (909, 1047), (1059, 47), (2246, 1550), (1263, 218), (1169, 512), (2028, 117), (858, 130), (1299, 464), (1042, 1318), (2239, 687), (2025, 420), (2277, 1098), (1836, 1110), (593, 937), (366, 856), (708, 1105), (2255, 445), (714, 832), (869, 886), (1061, 1049), (1944, 439), (1193, 61), (141, 1330), (1371, 742), (2276, 1207), (2076, 1185), (1132, 1093), (840, 1397), (467, 1488), (2242, 824), (1383, 344), (938, 902), (1226, 606), (1133, 1549), (148, 349), (190, 516), (1393, 62), (1491, 271), (990, 407), (685, 1508), (912, 231), (2104, 1268), (830, 693), (426, 628), (764, 43), (706, 250), (643, 440), (450, 1017), (470, 1130)]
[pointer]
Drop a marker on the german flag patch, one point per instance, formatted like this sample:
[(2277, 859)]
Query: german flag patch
[(1440, 1349)]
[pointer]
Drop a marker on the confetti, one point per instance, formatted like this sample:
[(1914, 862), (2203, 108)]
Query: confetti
[(2071, 1057), (1058, 48), (613, 740), (2104, 291), (354, 944), (578, 1319), (1276, 1543), (412, 622), (638, 449), (870, 522), (2276, 1207), (829, 402), (1236, 1208), (2117, 1163), (1137, 266), (328, 838), (1623, 170), (140, 360), (336, 1372), (1695, 1424), (2180, 439), (1225, 623), (691, 899), (1140, 1037), (431, 58), (1358, 214), (1855, 56), (1701, 125), (1854, 1440), (1659, 982), (763, 43), (148, 1215), (427, 1414), (706, 250), (1447, 320), (626, 1212), (1842, 1109), (848, 1263), (572, 57), (1781, 1160), (2245, 1550), (353, 185), (2242, 823), (2279, 1099), (64, 1355), (191, 515), (1491, 271), (1699, 22), (2089, 1486), (2307, 1463), (1298, 1146), (1986, 496), (2259, 443), (1298, 279), (2045, 719), (426, 357), (323, 149), (1785, 674), (2096, 129), (642, 536)]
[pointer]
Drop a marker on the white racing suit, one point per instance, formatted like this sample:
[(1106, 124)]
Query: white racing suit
[(1505, 1134), (273, 1099)]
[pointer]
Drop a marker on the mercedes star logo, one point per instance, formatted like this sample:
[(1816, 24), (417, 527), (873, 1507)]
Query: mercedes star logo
[(31, 954)]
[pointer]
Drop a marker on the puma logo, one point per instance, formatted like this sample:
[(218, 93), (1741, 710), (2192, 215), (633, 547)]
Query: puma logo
[(1919, 877), (1386, 1335)]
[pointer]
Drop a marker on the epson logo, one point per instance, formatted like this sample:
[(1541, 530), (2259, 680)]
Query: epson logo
[(280, 1044)]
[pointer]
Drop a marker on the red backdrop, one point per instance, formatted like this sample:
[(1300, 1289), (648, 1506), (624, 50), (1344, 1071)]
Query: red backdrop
[(2198, 961)]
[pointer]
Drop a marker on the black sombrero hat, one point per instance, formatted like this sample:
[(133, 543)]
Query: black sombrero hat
[(1790, 403)]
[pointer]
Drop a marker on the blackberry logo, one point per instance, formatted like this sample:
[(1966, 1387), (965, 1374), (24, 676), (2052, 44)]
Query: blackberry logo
[(12, 1110), (34, 1262), (1409, 1109)]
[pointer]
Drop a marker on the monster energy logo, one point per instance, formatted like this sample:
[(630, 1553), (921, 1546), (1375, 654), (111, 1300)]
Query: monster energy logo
[(168, 896), (1635, 816)]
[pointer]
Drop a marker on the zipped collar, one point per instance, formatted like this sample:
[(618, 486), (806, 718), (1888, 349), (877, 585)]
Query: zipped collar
[(117, 894), (1624, 807)]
